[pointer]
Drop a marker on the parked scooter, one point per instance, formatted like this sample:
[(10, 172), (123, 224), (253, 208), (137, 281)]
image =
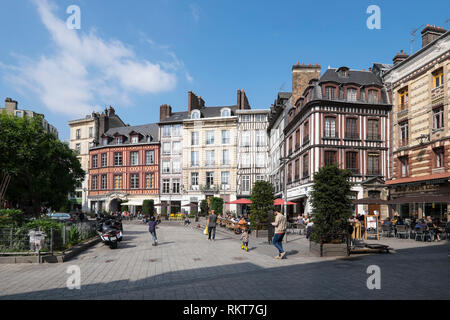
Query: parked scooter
[(110, 231)]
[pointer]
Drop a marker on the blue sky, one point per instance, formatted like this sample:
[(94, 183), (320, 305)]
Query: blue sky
[(136, 55)]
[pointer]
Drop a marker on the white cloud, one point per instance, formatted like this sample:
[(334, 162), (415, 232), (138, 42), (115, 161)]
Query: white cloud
[(195, 11), (86, 69)]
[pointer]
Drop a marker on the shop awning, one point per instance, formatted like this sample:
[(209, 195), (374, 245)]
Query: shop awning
[(421, 199), (136, 202), (370, 201)]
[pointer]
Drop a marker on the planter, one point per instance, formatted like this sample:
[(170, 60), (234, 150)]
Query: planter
[(328, 249), (259, 233)]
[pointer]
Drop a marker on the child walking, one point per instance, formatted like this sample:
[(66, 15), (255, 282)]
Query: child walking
[(244, 238)]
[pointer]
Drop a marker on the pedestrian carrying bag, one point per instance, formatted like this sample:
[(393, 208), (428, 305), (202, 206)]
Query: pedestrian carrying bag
[(205, 231)]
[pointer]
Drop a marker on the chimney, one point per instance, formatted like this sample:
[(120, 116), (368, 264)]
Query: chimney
[(10, 105), (431, 33), (242, 101), (201, 102), (301, 75), (194, 102), (165, 111), (111, 111), (399, 57)]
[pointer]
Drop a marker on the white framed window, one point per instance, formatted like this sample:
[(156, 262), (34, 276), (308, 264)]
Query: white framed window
[(91, 132), (194, 159), (195, 114), (134, 181), (209, 179), (246, 183), (246, 118), (134, 139), (210, 158), (260, 178), (105, 141), (225, 136), (351, 94), (195, 138), (117, 158), (177, 130), (260, 138), (166, 166), (78, 137), (94, 161), (260, 160), (78, 148), (166, 131), (225, 112), (260, 117), (166, 186), (134, 158), (104, 182), (210, 137), (226, 157), (104, 160), (177, 147), (245, 139), (166, 148), (176, 166), (176, 186), (118, 140), (149, 181), (194, 178), (150, 157), (225, 178), (245, 160)]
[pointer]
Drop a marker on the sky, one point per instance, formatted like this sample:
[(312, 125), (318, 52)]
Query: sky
[(136, 55)]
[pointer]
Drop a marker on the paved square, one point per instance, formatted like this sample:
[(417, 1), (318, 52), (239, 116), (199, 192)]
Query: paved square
[(185, 265)]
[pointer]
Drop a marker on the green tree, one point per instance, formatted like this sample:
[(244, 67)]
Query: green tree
[(204, 208), (43, 170), (148, 207), (216, 205), (331, 203), (262, 203)]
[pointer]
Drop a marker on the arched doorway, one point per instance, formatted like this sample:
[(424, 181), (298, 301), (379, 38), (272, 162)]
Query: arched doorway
[(115, 205)]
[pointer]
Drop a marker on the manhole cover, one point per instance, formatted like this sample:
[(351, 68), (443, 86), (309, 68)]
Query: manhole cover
[(153, 260)]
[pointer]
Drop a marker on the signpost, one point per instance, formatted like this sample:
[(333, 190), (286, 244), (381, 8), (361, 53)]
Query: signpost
[(371, 226)]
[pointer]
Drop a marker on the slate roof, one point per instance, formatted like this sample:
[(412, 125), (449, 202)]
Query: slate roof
[(212, 112), (354, 76), (146, 130), (176, 117)]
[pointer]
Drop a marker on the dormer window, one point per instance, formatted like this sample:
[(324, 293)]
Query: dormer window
[(329, 93), (118, 140), (195, 114), (135, 139), (225, 113), (105, 141), (372, 96), (351, 94), (343, 72)]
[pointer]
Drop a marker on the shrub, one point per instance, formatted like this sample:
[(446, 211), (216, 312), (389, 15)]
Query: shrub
[(74, 236), (204, 208), (11, 218), (262, 204), (148, 207), (216, 205)]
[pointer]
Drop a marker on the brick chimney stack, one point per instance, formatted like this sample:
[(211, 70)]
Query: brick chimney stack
[(431, 33), (194, 102), (301, 75), (10, 105), (399, 57), (242, 101), (165, 111)]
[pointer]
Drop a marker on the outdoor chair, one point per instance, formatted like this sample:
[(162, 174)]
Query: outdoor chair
[(421, 235), (386, 230), (401, 230)]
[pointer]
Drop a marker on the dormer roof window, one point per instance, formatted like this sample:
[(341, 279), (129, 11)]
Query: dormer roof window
[(105, 141), (195, 114), (226, 112), (343, 72), (119, 140)]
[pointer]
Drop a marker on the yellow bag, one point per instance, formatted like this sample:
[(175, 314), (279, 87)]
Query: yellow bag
[(205, 231)]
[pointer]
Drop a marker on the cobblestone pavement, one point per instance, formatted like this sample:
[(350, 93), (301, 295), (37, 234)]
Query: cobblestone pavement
[(185, 265)]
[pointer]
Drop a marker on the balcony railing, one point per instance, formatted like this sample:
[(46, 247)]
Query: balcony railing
[(373, 137), (437, 93)]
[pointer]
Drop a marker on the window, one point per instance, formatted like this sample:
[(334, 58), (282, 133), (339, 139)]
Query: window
[(439, 154), (177, 130), (246, 118), (194, 138), (297, 169), (209, 179), (330, 158), (260, 138), (105, 141), (166, 148), (176, 186), (117, 158), (118, 183), (91, 132), (95, 161), (118, 140), (94, 184), (372, 130), (260, 178), (289, 180), (330, 127), (372, 96), (438, 118), (351, 128), (166, 186), (150, 157), (177, 147), (403, 95), (134, 181), (194, 178), (438, 78), (225, 157), (225, 178), (404, 134), (104, 160), (306, 132), (329, 93), (210, 158), (245, 138), (305, 166), (149, 181), (351, 94), (78, 148), (260, 118), (134, 158), (404, 163), (135, 139), (373, 164), (260, 160), (78, 134), (245, 160), (297, 139), (245, 183), (351, 162), (210, 137), (195, 114), (176, 166), (166, 166), (166, 131), (104, 182), (225, 113), (194, 159), (225, 137)]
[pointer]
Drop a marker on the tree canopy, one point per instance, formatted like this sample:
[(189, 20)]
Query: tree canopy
[(331, 203), (262, 203), (43, 170)]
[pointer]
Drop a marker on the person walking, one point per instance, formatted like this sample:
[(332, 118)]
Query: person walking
[(211, 223), (244, 238), (152, 229), (280, 230)]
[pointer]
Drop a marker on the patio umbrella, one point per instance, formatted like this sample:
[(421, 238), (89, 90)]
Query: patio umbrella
[(191, 204), (280, 202), (240, 201), (161, 205)]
